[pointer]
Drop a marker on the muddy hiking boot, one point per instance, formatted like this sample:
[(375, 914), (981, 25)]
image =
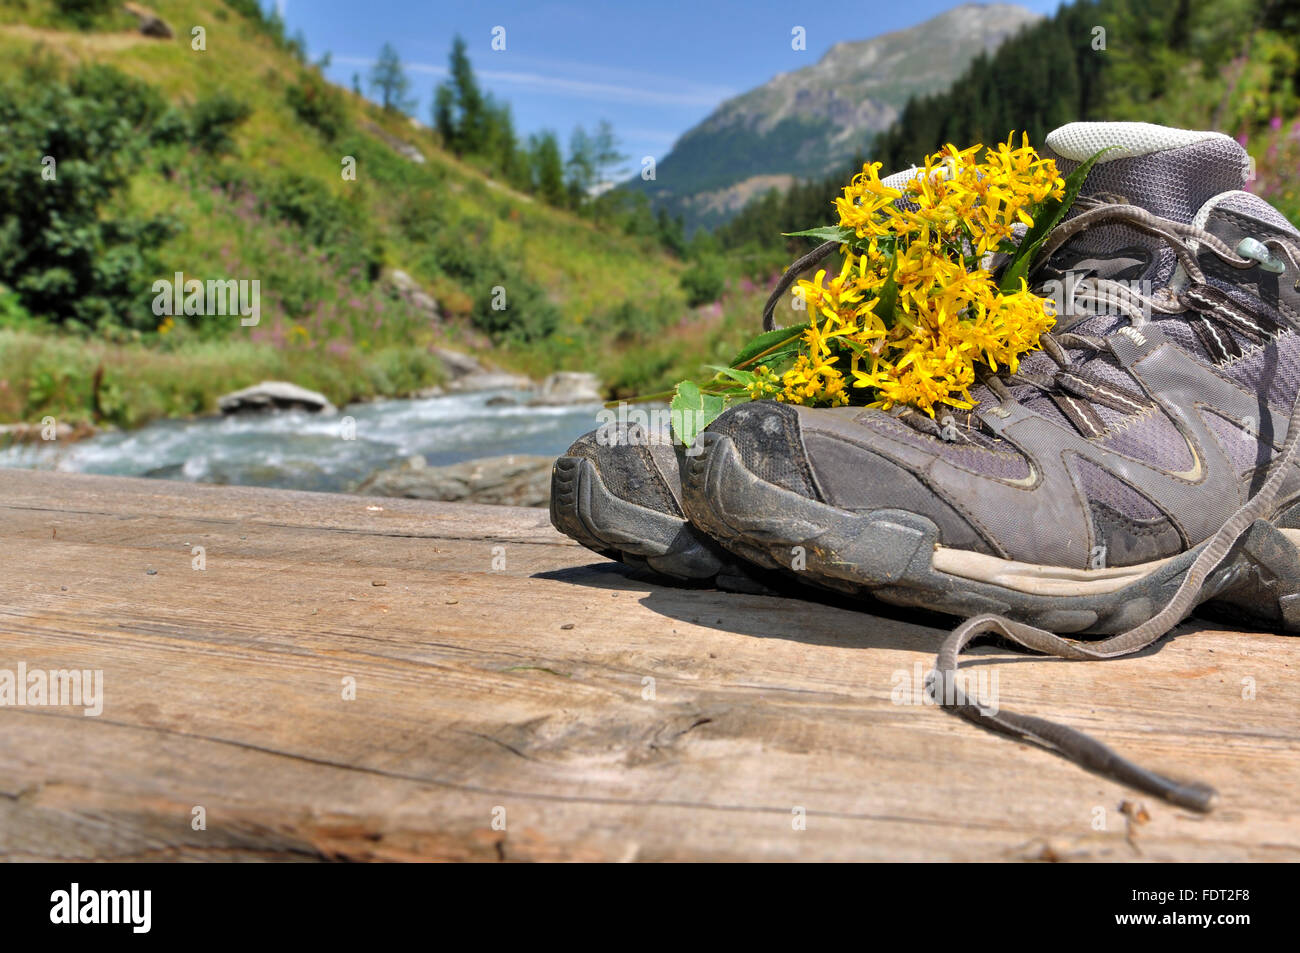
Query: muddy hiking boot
[(1136, 466), (618, 492)]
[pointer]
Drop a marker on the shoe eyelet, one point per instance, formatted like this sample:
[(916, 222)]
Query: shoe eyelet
[(1258, 252)]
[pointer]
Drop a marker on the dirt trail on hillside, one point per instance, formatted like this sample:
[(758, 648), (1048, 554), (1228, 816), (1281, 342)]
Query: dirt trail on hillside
[(75, 42)]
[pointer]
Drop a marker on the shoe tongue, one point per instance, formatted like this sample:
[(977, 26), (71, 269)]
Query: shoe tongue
[(1169, 172)]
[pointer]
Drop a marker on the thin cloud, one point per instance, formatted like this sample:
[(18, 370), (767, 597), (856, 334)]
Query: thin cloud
[(576, 88)]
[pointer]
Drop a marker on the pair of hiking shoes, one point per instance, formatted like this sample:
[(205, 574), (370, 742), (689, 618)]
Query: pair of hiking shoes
[(1138, 465)]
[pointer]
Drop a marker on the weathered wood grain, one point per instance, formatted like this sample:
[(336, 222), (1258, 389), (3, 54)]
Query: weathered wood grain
[(522, 685)]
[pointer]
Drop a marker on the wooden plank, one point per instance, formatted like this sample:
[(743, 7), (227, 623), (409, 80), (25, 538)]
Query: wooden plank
[(499, 666)]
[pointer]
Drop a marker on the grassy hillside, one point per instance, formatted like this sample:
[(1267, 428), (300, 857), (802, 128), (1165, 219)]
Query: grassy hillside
[(263, 198)]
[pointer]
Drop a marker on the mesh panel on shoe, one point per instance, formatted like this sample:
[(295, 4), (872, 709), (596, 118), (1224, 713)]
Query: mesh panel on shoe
[(1245, 203), (1080, 140), (1101, 486), (1273, 369), (899, 179), (1245, 451), (1152, 438), (1174, 179)]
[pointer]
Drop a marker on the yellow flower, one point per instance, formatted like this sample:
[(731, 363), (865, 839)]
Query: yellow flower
[(863, 198), (926, 242), (764, 384)]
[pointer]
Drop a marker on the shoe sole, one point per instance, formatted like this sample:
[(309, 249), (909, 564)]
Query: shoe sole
[(584, 509), (895, 556)]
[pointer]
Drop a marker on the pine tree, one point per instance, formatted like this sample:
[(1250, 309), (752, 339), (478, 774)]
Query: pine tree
[(390, 79), (471, 107), (444, 115), (547, 167), (605, 157), (582, 160), (499, 145)]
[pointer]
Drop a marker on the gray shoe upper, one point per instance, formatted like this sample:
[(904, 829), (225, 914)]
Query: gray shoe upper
[(1139, 446)]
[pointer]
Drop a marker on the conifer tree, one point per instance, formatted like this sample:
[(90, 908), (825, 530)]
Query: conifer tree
[(390, 80)]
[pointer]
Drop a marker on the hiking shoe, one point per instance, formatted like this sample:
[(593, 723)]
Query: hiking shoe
[(617, 491), (1077, 493)]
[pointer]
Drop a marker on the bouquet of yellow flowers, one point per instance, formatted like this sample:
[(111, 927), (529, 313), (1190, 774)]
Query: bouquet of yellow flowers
[(932, 285)]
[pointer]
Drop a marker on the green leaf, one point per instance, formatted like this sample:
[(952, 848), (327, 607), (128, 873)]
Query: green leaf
[(740, 377), (1046, 217), (692, 410), (763, 344), (827, 233), (857, 347), (887, 308)]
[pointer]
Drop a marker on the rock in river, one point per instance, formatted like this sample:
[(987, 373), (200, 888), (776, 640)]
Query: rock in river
[(275, 395), (464, 374), (568, 387), (514, 480)]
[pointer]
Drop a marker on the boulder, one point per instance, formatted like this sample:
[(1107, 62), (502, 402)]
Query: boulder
[(401, 147), (275, 395), (427, 304), (489, 380), (456, 363), (401, 280), (39, 432), (568, 387), (464, 374), (408, 288), (514, 480), (150, 24)]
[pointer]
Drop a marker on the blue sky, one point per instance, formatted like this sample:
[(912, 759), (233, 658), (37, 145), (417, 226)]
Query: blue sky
[(653, 68)]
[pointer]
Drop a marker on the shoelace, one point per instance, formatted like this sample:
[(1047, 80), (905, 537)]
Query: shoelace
[(942, 683), (1075, 745)]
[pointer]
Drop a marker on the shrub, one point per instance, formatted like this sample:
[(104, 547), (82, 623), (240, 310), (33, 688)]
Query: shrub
[(318, 104), (330, 223), (704, 281), (83, 13), (211, 122), (528, 314), (136, 101), (171, 128), (62, 248)]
